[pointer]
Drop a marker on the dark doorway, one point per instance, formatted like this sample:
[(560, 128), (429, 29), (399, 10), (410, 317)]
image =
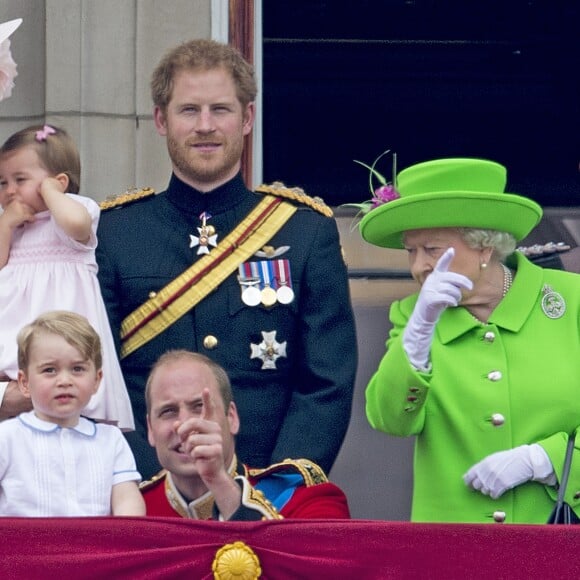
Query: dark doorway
[(426, 79)]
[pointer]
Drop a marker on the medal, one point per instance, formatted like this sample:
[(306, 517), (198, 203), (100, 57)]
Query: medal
[(269, 296), (553, 304), (284, 293), (207, 236), (251, 295), (265, 282), (249, 280), (269, 350)]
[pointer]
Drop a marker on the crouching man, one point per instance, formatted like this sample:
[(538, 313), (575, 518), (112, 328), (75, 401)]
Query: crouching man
[(192, 422)]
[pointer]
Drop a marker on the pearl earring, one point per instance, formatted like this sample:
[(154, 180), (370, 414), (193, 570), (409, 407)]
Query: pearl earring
[(483, 265)]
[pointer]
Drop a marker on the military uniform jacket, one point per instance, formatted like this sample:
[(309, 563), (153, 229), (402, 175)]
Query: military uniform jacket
[(301, 406), (290, 489), (492, 387)]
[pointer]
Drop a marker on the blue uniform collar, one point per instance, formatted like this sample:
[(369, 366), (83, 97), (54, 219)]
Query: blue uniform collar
[(192, 202)]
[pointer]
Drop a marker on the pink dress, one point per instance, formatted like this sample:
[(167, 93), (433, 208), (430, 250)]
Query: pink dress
[(47, 270)]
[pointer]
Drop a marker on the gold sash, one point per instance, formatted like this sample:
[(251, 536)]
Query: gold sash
[(193, 285)]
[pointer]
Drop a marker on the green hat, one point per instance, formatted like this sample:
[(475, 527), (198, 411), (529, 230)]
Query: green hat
[(450, 193)]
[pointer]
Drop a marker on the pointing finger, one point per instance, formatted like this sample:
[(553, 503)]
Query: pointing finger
[(444, 261), (208, 411)]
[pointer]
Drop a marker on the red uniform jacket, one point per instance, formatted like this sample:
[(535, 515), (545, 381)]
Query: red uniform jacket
[(291, 489)]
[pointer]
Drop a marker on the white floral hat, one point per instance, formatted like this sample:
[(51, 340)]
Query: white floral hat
[(7, 28), (7, 64)]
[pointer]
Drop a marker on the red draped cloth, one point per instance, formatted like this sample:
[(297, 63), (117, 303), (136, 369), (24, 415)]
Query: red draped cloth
[(147, 548)]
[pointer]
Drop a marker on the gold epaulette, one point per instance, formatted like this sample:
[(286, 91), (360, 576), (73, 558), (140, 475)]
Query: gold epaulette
[(157, 478), (297, 194), (125, 198), (311, 472)]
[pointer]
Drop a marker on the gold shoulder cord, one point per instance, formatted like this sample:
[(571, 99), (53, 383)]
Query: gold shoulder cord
[(311, 472), (125, 198), (296, 194), (151, 482)]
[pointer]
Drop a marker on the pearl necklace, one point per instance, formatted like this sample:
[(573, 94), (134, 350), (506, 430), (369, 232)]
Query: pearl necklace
[(507, 279)]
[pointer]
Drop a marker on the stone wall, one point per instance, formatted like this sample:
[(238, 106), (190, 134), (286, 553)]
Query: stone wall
[(85, 65)]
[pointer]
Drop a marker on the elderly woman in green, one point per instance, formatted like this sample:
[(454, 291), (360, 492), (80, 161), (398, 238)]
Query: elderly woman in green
[(483, 363)]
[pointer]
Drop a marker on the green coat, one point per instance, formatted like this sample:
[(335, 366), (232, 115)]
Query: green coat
[(535, 398)]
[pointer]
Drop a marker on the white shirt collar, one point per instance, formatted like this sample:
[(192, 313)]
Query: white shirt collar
[(84, 426)]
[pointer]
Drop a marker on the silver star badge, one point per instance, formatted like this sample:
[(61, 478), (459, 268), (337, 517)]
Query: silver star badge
[(269, 350), (204, 240)]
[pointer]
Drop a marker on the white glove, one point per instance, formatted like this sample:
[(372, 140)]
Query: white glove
[(440, 290), (504, 470)]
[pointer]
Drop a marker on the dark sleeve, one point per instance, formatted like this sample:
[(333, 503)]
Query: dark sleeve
[(107, 280), (319, 411), (243, 514), (253, 507)]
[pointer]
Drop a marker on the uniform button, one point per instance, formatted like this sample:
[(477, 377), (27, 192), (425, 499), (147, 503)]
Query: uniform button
[(497, 419), (499, 517), (577, 495), (210, 342), (152, 294), (489, 336), (494, 376), (411, 398), (414, 389)]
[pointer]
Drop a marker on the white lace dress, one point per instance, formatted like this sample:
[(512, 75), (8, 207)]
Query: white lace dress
[(47, 270)]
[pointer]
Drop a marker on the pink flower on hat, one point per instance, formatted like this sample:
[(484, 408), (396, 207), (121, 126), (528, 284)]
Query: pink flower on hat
[(384, 194), (386, 191)]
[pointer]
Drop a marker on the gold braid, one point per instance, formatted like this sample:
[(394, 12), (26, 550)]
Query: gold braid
[(297, 194), (311, 473), (129, 196)]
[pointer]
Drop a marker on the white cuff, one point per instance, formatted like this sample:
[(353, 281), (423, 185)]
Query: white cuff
[(426, 369), (3, 387), (417, 339), (541, 465)]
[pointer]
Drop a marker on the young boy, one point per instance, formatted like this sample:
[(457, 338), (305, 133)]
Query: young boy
[(53, 461)]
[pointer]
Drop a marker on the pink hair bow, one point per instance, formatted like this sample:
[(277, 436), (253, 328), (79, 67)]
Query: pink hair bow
[(44, 133)]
